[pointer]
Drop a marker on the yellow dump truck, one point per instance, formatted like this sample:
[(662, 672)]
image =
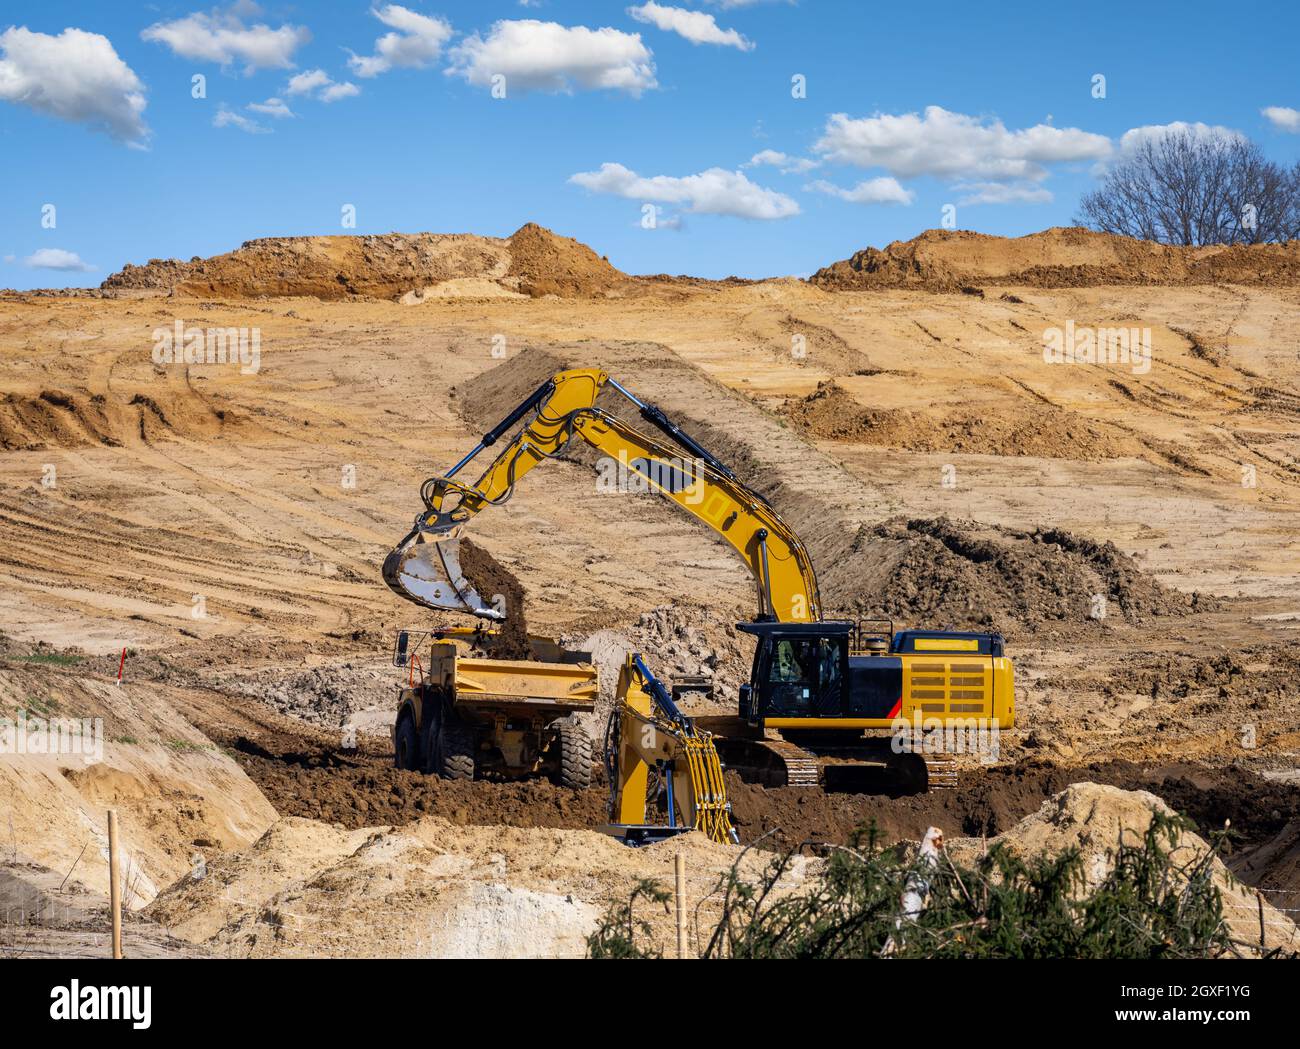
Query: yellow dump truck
[(464, 716)]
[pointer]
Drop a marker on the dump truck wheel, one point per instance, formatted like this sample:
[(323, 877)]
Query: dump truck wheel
[(431, 735), (458, 750), (406, 743), (575, 754)]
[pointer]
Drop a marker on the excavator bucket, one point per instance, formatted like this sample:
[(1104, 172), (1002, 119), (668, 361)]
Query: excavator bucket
[(425, 568)]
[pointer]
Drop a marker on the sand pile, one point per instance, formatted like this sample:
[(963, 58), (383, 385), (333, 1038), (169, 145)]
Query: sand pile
[(56, 418), (405, 266), (1094, 819), (830, 412), (427, 890), (1061, 257)]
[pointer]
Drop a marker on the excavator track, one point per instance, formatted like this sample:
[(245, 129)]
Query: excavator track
[(771, 762), (941, 771)]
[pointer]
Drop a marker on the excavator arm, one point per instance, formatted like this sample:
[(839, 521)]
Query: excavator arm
[(425, 566), (648, 736)]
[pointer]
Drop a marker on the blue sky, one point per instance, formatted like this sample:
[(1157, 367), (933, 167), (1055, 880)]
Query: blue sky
[(608, 107)]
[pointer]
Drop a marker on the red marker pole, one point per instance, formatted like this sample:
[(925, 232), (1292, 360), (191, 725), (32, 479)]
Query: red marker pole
[(120, 665)]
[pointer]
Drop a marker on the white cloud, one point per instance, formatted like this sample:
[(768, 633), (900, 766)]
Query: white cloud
[(307, 82), (336, 91), (75, 76), (1135, 137), (954, 145), (695, 26), (882, 190), (56, 259), (222, 37), (228, 118), (417, 41), (318, 83), (783, 162), (1283, 117), (1002, 193), (713, 192), (272, 107), (546, 56)]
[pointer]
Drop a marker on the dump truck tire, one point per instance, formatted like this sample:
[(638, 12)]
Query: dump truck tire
[(575, 754), (406, 743), (458, 749), (431, 735)]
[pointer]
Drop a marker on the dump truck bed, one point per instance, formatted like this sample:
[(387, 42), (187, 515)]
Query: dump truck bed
[(514, 686)]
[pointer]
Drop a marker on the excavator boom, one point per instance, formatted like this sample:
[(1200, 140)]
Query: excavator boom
[(425, 566)]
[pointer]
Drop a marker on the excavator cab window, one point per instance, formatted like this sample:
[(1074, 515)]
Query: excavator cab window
[(804, 677)]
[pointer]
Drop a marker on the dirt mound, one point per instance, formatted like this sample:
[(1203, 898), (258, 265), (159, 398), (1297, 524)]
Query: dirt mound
[(964, 574), (1275, 866), (989, 801), (1094, 819), (306, 776), (1061, 257), (830, 412), (533, 261), (60, 419), (546, 264)]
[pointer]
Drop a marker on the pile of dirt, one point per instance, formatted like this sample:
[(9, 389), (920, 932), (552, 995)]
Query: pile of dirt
[(961, 575), (55, 418), (434, 889), (1061, 257), (832, 413), (1093, 820), (546, 264), (676, 642), (328, 696), (310, 777), (989, 801), (395, 266)]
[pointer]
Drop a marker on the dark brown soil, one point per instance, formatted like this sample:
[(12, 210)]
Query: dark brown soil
[(494, 581), (988, 802), (963, 575), (364, 790)]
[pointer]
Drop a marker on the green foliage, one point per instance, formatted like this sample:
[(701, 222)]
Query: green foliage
[(1148, 905), (58, 659), (617, 934)]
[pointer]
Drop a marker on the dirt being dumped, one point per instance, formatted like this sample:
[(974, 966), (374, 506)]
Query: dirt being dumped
[(831, 412), (533, 261), (499, 587), (1061, 257), (964, 574)]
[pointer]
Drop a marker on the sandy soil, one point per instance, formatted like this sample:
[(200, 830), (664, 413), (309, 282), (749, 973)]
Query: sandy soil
[(227, 528)]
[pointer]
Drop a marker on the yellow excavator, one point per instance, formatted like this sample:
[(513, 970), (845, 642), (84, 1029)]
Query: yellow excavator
[(826, 699)]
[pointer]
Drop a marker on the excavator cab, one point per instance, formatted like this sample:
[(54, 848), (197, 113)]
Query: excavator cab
[(799, 672)]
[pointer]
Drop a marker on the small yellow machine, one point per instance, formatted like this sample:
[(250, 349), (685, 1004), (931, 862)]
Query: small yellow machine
[(652, 750), (465, 715)]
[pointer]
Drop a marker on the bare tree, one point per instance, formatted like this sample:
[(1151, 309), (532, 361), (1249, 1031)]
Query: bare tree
[(1191, 188)]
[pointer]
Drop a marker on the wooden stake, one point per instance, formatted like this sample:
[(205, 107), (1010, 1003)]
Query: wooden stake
[(679, 867), (115, 887)]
